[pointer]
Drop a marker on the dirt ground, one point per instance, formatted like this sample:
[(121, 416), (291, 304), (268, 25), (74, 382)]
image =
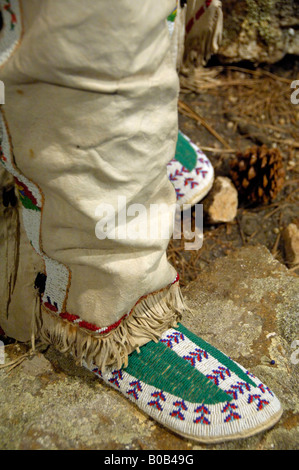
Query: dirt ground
[(240, 107)]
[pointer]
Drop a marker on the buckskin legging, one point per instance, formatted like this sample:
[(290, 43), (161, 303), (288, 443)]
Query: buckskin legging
[(90, 118), (90, 123)]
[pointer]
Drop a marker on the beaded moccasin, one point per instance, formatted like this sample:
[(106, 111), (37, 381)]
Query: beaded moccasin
[(191, 172), (195, 390)]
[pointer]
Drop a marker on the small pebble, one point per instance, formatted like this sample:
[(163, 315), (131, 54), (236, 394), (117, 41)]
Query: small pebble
[(233, 99)]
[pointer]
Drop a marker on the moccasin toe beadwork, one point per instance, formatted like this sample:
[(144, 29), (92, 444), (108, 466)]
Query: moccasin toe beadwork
[(190, 172), (194, 389)]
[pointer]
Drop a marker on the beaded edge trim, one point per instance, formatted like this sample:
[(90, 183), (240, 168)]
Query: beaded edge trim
[(13, 28), (101, 331)]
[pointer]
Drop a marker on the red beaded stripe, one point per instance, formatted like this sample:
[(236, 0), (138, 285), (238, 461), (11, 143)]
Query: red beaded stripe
[(51, 307), (198, 15), (94, 328)]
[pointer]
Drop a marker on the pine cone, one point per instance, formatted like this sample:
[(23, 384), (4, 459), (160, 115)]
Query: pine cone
[(258, 174)]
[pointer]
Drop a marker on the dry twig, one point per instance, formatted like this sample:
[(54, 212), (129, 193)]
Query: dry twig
[(185, 109)]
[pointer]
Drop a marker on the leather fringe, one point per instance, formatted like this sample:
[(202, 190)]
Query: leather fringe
[(206, 35), (152, 316)]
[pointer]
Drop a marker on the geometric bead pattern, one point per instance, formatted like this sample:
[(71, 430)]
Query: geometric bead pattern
[(191, 186), (249, 406), (12, 28)]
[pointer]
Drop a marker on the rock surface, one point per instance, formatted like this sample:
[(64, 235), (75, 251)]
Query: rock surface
[(246, 304), (291, 243), (221, 204), (260, 31)]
